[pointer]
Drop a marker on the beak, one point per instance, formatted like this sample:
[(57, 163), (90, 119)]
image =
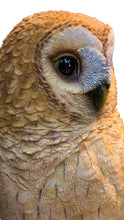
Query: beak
[(99, 96)]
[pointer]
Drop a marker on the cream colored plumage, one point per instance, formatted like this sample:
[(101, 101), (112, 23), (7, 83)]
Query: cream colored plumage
[(61, 137)]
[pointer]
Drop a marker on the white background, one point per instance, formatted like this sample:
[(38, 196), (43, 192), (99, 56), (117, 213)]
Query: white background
[(108, 11)]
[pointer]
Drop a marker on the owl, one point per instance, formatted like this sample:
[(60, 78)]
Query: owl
[(61, 136)]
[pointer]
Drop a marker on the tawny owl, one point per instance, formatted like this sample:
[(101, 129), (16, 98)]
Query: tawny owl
[(61, 137)]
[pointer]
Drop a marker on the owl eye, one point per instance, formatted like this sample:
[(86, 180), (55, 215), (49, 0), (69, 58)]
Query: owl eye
[(66, 65)]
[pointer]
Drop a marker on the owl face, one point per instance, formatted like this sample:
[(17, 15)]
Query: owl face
[(74, 62)]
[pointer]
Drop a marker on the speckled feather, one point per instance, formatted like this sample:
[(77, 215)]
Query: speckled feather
[(56, 163)]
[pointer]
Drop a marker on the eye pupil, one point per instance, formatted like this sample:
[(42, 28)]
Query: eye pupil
[(66, 65)]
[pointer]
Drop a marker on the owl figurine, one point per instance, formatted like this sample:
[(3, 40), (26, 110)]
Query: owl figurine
[(61, 136)]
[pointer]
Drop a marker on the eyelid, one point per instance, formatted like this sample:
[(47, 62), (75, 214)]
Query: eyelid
[(66, 54)]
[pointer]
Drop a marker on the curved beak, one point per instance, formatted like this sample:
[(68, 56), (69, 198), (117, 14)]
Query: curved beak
[(99, 96)]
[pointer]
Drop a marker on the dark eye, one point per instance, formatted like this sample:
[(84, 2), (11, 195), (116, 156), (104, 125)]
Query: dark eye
[(66, 65)]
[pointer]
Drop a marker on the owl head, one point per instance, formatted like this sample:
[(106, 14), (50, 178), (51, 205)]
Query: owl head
[(56, 67)]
